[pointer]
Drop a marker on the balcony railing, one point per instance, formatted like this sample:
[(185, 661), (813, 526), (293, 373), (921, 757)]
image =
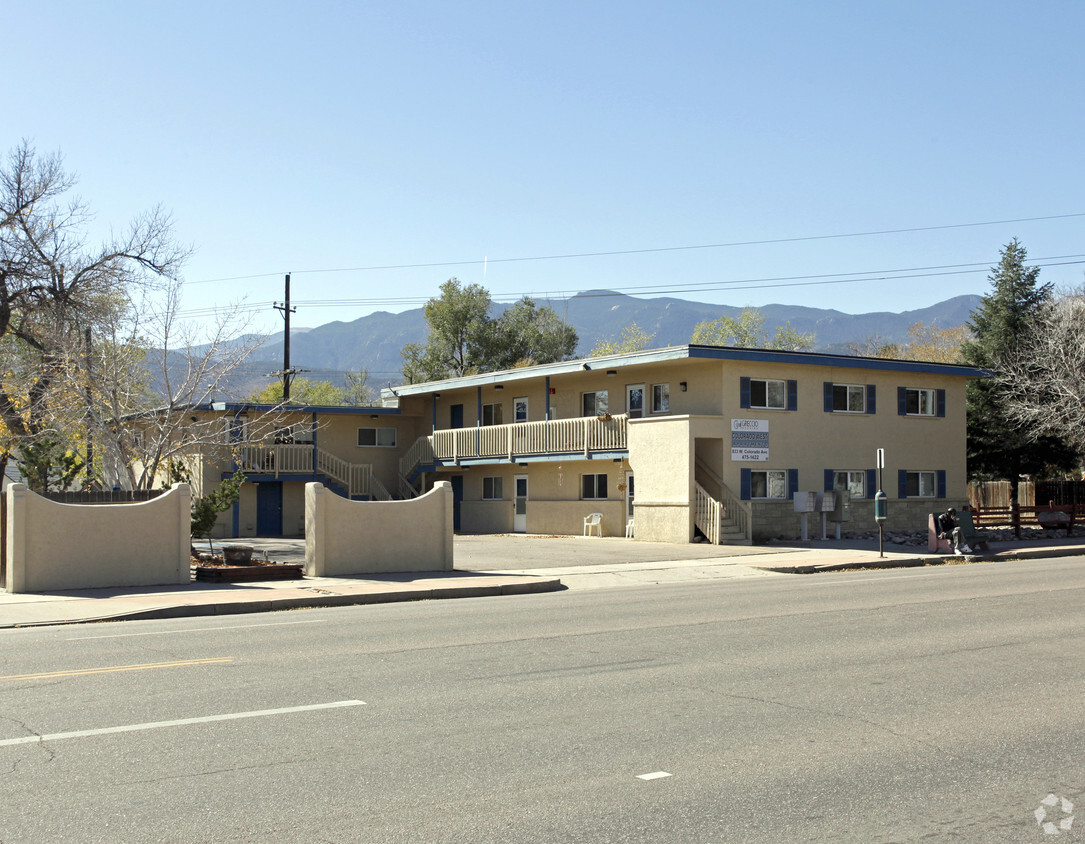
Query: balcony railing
[(523, 439), (357, 478)]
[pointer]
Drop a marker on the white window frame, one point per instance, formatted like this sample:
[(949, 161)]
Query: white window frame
[(516, 404), (770, 475), (494, 412), (919, 475), (852, 481), (920, 392), (595, 496), (236, 423), (766, 382), (381, 437), (661, 398), (496, 484), (595, 394), (852, 390)]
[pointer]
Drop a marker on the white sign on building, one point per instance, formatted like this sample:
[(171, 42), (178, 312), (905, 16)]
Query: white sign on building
[(750, 439)]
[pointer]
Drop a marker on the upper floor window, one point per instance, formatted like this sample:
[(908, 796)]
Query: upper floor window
[(661, 398), (380, 437), (768, 393), (519, 409), (921, 402), (849, 398), (492, 414), (595, 404)]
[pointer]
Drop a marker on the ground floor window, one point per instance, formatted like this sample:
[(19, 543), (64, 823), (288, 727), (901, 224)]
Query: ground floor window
[(593, 486), (768, 483), (921, 485), (492, 489), (853, 482)]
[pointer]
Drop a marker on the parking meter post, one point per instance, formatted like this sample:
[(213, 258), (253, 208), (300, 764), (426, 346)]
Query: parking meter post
[(881, 506)]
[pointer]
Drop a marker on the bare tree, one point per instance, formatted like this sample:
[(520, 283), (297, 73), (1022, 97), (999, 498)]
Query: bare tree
[(53, 286), (1042, 376)]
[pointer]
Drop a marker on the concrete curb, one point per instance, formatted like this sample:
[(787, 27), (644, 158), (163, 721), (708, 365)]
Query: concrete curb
[(932, 560), (314, 602)]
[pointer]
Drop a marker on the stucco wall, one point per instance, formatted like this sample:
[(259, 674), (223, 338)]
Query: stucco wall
[(53, 546), (661, 456), (345, 537)]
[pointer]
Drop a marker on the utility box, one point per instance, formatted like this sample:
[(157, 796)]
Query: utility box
[(841, 510), (826, 502)]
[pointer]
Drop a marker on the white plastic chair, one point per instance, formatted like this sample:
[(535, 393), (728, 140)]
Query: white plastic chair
[(629, 529), (593, 522)]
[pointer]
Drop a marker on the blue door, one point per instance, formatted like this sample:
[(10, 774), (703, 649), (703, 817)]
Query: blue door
[(269, 509), (456, 421), (457, 498)]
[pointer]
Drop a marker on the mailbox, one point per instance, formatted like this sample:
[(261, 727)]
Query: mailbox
[(806, 502), (841, 510)]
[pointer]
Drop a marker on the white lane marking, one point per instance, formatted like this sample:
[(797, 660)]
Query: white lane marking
[(654, 776), (154, 725), (195, 630)]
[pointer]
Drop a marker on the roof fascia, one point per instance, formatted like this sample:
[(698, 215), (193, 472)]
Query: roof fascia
[(822, 359)]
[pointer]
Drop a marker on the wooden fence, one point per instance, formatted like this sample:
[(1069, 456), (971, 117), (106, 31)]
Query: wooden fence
[(1017, 515)]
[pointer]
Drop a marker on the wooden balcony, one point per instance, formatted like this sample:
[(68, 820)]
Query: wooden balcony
[(581, 436), (356, 478)]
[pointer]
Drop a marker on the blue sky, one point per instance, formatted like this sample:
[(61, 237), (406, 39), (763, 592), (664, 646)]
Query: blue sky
[(342, 136)]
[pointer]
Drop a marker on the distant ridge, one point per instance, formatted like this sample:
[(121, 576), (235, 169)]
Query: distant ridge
[(373, 342)]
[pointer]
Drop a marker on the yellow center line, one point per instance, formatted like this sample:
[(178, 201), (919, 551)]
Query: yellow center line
[(144, 667)]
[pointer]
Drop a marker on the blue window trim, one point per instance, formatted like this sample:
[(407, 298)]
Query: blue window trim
[(871, 482)]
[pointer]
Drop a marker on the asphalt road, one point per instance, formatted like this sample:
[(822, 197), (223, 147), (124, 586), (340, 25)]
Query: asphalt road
[(940, 704)]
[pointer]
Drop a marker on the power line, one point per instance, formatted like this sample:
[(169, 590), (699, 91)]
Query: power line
[(677, 287), (609, 253)]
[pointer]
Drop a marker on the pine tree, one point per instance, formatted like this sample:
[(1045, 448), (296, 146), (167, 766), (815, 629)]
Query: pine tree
[(997, 448)]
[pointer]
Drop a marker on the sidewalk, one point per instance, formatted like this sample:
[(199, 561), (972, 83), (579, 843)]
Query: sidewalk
[(603, 563)]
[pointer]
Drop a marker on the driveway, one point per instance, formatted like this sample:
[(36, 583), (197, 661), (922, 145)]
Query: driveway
[(499, 552)]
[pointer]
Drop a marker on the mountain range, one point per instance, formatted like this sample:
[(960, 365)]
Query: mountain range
[(373, 342)]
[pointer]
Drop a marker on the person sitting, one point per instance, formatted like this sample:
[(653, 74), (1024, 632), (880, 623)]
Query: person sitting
[(948, 528)]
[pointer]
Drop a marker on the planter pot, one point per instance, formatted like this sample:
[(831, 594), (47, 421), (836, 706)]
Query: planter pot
[(237, 555)]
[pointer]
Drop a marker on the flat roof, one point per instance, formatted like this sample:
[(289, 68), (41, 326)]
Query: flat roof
[(688, 352)]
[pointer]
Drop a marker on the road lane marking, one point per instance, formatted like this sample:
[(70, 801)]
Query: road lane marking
[(78, 672), (194, 630), (155, 725), (654, 776)]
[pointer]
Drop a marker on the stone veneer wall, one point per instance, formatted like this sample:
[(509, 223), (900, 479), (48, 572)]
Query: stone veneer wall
[(778, 519)]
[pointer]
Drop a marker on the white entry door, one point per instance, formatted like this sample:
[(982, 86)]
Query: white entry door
[(634, 400), (519, 504)]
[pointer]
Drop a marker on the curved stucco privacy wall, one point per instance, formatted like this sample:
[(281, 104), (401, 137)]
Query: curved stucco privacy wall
[(366, 537), (52, 546)]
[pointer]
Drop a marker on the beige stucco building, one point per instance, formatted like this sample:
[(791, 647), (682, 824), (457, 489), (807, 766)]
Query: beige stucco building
[(666, 444)]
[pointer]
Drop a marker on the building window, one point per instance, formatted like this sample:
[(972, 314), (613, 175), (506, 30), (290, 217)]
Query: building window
[(853, 482), (519, 409), (768, 483), (379, 437), (237, 429), (299, 434), (768, 394), (921, 402), (492, 415), (920, 485), (849, 398), (596, 404), (661, 398), (491, 489), (593, 486)]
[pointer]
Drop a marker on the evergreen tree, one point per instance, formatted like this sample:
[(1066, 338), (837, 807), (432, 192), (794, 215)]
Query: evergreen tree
[(998, 448)]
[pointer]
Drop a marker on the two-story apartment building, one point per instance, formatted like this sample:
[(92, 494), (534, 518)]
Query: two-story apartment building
[(690, 439), (676, 441)]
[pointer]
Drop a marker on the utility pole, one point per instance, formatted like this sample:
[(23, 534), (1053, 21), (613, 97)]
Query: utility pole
[(90, 425), (287, 373)]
